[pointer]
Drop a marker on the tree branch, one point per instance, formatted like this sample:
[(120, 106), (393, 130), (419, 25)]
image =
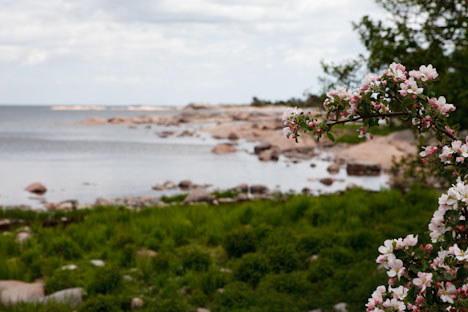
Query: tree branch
[(331, 124)]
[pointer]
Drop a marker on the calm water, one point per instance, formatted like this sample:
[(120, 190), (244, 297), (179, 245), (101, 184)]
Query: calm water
[(85, 162)]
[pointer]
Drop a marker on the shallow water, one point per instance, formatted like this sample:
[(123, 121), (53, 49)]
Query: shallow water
[(85, 162)]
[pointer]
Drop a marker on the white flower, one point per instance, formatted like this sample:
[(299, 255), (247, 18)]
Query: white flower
[(447, 292), (412, 86), (397, 71), (461, 255), (291, 113), (416, 74), (423, 280), (395, 304), (396, 268), (399, 292), (410, 240), (428, 72), (364, 134), (442, 105), (387, 247)]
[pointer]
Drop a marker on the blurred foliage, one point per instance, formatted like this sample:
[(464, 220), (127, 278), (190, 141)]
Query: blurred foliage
[(415, 32), (303, 254), (311, 100)]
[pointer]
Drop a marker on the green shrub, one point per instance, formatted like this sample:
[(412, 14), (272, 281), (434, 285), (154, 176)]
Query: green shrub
[(62, 279), (236, 297), (65, 247), (338, 254), (105, 280), (196, 260), (210, 281), (170, 305), (240, 241), (320, 269), (283, 258), (100, 303), (251, 268), (295, 283), (163, 262), (174, 199), (310, 244)]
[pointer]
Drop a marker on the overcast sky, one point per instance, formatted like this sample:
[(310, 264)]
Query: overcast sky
[(170, 52)]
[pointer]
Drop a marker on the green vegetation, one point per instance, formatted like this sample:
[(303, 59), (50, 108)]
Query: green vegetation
[(311, 100), (298, 255), (347, 133)]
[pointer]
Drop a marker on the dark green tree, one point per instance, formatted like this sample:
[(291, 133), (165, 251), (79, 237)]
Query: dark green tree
[(423, 32)]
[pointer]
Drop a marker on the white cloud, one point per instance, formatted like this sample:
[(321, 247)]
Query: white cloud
[(215, 50)]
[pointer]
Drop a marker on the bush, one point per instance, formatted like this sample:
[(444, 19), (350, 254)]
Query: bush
[(282, 258), (295, 283), (310, 244), (65, 247), (100, 303), (236, 297), (62, 279), (105, 280), (239, 242), (196, 260), (251, 268), (171, 305), (162, 262), (320, 269), (212, 280)]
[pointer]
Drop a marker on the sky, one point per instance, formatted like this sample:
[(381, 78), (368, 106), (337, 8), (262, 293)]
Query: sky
[(171, 52)]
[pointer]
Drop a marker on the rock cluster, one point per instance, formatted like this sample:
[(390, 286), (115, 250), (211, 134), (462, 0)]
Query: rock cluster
[(223, 149), (363, 169), (16, 292), (36, 188)]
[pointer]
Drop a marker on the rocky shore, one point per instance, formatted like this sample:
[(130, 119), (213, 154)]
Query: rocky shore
[(245, 129), (263, 126)]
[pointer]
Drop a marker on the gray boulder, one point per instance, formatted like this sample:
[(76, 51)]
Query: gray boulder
[(198, 195), (72, 297)]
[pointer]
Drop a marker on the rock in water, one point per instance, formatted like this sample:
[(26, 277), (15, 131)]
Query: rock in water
[(334, 168), (262, 147), (258, 189), (363, 169), (241, 188), (223, 149), (327, 181), (268, 155), (72, 297), (102, 201), (198, 195), (233, 137), (185, 184), (36, 188)]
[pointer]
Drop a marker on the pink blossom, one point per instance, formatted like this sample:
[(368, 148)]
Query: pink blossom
[(423, 280)]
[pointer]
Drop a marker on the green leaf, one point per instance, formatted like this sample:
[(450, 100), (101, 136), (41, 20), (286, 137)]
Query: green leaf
[(422, 140), (331, 137), (462, 274)]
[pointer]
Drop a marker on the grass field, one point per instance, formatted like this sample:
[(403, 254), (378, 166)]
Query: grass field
[(264, 255)]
